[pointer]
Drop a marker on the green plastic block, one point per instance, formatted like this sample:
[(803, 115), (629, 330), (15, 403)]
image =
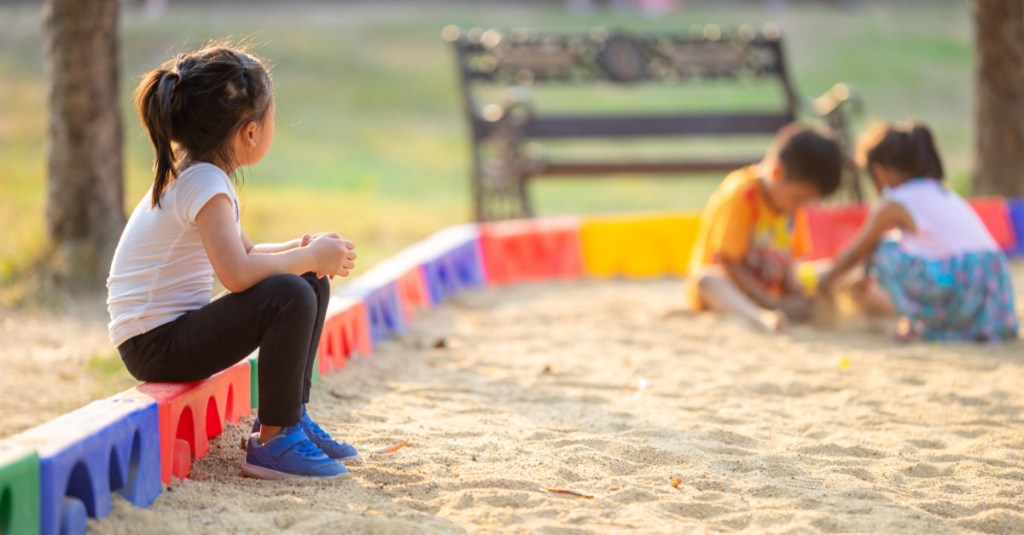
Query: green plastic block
[(19, 490), (254, 382)]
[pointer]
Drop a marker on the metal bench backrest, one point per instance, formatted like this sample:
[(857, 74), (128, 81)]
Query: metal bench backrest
[(523, 58)]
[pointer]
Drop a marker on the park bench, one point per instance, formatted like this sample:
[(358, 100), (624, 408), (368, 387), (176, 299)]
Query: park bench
[(501, 72)]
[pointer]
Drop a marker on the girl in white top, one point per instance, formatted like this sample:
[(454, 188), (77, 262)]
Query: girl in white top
[(208, 113), (939, 266)]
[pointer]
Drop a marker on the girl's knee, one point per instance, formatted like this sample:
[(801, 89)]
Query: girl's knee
[(321, 285), (292, 288), (707, 280)]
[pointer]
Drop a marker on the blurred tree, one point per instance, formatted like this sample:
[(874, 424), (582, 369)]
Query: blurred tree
[(999, 97), (85, 187)]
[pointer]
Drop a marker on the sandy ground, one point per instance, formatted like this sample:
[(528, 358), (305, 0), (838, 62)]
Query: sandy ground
[(44, 362), (608, 389)]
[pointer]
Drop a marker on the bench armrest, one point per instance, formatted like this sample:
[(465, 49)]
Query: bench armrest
[(515, 104), (840, 100)]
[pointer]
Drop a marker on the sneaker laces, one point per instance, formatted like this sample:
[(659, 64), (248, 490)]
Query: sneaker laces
[(318, 432), (306, 448)]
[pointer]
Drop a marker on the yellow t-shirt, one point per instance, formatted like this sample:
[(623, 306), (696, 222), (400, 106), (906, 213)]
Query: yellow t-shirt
[(739, 224)]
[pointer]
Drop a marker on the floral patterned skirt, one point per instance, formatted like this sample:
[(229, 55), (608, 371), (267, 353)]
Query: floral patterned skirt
[(967, 297)]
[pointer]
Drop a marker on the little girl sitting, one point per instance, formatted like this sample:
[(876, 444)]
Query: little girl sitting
[(209, 113), (937, 263)]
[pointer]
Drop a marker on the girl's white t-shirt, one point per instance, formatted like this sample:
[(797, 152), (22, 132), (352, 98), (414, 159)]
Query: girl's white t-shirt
[(160, 268), (946, 225)]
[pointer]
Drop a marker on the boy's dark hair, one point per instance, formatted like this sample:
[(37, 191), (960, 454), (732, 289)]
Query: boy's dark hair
[(193, 105), (909, 148), (810, 156)]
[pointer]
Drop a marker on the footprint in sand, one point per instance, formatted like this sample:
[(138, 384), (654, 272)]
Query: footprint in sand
[(835, 450), (927, 470), (698, 511), (927, 444), (995, 521)]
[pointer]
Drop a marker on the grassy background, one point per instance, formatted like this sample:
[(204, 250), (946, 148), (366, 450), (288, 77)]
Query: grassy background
[(370, 140)]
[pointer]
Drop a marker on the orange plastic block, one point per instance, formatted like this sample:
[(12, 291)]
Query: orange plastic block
[(346, 331), (193, 413), (531, 249), (638, 245), (412, 292), (833, 227), (996, 216)]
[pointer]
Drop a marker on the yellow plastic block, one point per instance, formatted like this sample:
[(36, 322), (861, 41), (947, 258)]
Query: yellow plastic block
[(808, 273), (647, 245)]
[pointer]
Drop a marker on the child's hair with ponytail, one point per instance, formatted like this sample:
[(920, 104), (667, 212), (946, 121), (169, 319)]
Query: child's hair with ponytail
[(193, 105), (909, 148)]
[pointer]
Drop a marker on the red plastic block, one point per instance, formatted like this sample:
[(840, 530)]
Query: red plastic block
[(531, 249), (346, 331), (193, 413), (833, 227), (996, 217), (412, 292)]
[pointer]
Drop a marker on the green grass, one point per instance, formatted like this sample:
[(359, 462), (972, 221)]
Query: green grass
[(108, 375), (370, 139)]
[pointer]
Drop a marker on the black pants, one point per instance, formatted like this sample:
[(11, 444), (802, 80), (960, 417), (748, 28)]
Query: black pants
[(283, 316)]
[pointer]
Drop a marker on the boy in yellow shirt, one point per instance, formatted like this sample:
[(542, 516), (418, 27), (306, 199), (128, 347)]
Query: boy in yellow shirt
[(753, 227)]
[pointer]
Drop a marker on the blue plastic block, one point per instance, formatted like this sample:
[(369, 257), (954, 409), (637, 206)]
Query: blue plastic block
[(384, 312), (112, 445), (1015, 208), (452, 262), (19, 489), (378, 291)]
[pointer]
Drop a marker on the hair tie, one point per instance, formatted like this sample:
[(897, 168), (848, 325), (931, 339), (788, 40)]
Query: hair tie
[(177, 79)]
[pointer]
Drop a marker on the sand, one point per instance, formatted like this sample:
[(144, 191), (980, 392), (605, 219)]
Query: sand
[(609, 389), (45, 361)]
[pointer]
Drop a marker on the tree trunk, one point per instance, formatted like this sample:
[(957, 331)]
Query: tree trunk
[(85, 186), (999, 100)]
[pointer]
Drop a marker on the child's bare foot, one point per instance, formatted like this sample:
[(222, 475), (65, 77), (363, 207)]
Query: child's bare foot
[(905, 332), (773, 321)]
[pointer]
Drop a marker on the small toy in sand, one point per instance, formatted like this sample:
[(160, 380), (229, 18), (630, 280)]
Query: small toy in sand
[(393, 448)]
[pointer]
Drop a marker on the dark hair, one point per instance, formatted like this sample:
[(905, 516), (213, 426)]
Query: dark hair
[(909, 148), (194, 103), (810, 156)]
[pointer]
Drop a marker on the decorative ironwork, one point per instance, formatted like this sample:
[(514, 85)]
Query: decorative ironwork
[(524, 58)]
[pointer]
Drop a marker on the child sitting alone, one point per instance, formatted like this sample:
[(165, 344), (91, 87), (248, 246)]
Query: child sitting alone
[(753, 227), (939, 267)]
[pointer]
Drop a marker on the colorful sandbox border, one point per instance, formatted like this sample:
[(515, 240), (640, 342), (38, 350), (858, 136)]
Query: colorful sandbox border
[(56, 474)]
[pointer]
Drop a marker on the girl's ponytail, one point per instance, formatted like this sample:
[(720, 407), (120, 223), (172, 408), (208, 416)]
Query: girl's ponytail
[(926, 160), (910, 148), (193, 106), (153, 103)]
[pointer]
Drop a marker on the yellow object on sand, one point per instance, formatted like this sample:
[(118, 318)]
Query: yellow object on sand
[(807, 276)]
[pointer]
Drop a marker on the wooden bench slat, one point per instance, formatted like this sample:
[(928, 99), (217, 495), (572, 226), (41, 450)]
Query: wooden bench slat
[(568, 126)]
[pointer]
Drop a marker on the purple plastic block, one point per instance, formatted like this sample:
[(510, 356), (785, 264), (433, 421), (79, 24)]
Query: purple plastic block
[(1015, 208), (379, 293)]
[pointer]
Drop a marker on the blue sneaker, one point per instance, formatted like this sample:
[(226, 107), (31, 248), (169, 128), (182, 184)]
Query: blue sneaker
[(289, 455), (339, 451)]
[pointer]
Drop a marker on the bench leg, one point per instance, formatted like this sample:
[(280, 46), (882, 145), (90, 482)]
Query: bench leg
[(500, 181)]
